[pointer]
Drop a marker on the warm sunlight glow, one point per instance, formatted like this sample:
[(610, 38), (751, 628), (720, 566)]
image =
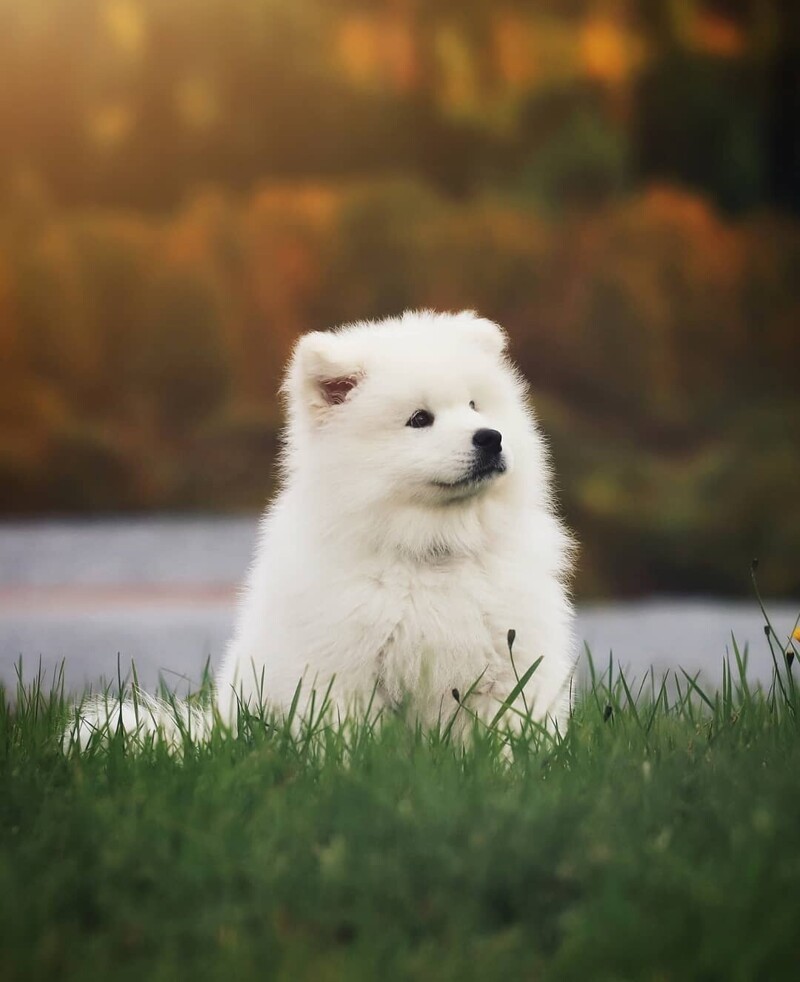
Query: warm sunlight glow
[(125, 22)]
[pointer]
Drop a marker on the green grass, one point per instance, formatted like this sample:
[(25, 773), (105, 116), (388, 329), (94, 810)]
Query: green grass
[(659, 838)]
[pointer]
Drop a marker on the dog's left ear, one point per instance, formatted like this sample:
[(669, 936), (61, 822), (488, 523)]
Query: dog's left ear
[(336, 390), (321, 373), (490, 336)]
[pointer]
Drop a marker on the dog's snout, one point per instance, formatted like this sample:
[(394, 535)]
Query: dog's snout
[(490, 441)]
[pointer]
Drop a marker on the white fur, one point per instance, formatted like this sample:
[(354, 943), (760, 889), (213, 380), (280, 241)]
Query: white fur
[(370, 578), (373, 580)]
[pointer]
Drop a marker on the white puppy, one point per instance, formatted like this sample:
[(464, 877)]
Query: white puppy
[(415, 528)]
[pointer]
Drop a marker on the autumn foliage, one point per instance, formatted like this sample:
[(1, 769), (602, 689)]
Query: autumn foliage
[(186, 186), (141, 356)]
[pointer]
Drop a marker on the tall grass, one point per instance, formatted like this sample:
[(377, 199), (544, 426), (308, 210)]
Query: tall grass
[(655, 838)]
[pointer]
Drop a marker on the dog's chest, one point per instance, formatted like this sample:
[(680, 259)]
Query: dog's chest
[(435, 628)]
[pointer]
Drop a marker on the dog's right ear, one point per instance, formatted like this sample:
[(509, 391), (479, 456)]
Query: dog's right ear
[(490, 336), (322, 374)]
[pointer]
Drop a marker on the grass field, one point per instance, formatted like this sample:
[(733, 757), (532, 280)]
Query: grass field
[(658, 839)]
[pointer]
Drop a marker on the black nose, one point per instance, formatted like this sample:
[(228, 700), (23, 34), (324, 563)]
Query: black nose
[(490, 441)]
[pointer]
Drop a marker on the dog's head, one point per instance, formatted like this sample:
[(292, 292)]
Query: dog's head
[(423, 410)]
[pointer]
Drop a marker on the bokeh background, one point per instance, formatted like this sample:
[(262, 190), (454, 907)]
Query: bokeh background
[(185, 185)]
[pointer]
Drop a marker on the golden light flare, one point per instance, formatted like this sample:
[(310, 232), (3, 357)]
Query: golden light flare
[(607, 51), (358, 49), (126, 24), (378, 51)]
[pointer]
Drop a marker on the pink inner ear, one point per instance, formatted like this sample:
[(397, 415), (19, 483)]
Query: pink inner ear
[(335, 390)]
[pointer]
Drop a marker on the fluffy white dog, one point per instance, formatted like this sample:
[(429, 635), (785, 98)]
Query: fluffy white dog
[(415, 527)]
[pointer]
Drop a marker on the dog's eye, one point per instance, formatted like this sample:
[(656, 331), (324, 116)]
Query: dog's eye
[(472, 404), (420, 418)]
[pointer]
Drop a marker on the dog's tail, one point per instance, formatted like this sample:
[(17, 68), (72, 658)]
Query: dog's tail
[(140, 719)]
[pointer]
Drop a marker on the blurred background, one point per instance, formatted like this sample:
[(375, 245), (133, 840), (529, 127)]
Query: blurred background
[(186, 186)]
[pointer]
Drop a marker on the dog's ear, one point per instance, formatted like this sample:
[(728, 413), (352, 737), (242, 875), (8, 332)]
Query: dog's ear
[(490, 336), (336, 390), (321, 373)]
